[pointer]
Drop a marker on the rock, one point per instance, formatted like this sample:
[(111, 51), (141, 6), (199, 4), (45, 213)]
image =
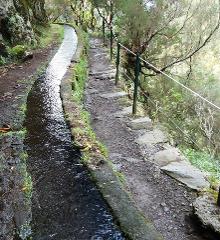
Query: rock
[(114, 95), (152, 137), (124, 112), (118, 167), (132, 160), (17, 17), (105, 76), (92, 91), (166, 209), (107, 71), (208, 212), (27, 56), (184, 172), (164, 157), (141, 123), (3, 50)]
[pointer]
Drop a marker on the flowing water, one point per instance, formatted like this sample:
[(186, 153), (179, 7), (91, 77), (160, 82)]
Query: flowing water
[(66, 203)]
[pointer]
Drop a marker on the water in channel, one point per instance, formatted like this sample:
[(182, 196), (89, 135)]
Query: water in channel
[(66, 203)]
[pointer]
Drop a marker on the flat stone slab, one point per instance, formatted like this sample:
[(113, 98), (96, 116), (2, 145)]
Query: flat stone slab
[(106, 71), (184, 172), (105, 76), (114, 95), (124, 112), (119, 157), (92, 91), (141, 123), (152, 137), (208, 212), (100, 54), (165, 157)]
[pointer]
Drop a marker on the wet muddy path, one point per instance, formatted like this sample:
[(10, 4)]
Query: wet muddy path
[(66, 203)]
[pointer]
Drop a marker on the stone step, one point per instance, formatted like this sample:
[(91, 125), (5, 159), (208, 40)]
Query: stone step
[(114, 95), (141, 123), (105, 76), (184, 172), (106, 71), (124, 112), (166, 156), (152, 137)]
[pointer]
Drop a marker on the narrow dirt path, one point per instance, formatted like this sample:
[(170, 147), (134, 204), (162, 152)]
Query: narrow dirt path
[(165, 201)]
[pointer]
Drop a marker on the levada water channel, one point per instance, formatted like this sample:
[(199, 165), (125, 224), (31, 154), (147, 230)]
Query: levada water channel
[(66, 203)]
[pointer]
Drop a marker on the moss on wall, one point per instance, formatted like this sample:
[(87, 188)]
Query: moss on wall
[(18, 19)]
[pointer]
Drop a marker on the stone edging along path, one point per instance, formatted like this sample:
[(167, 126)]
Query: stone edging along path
[(130, 219)]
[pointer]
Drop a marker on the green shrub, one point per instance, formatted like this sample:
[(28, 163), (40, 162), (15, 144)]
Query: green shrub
[(17, 51), (2, 60)]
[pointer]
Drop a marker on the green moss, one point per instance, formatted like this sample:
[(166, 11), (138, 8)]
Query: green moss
[(23, 108), (84, 131), (79, 78), (46, 35)]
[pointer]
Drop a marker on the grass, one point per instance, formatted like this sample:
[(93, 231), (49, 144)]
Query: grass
[(91, 142), (80, 74), (84, 134), (204, 162)]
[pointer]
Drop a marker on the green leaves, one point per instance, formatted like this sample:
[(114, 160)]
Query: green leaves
[(17, 51)]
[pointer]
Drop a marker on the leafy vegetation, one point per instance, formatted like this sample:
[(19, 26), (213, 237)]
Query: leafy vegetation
[(17, 51), (205, 162), (181, 38), (84, 132), (46, 35), (79, 75)]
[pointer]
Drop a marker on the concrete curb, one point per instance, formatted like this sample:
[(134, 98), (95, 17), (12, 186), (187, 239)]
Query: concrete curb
[(132, 222)]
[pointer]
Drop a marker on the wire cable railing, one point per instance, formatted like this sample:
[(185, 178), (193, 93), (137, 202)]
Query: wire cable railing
[(196, 99), (157, 70)]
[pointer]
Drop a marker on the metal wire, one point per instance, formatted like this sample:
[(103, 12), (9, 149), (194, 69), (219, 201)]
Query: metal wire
[(127, 49), (171, 78), (177, 126), (165, 74), (176, 81), (182, 85)]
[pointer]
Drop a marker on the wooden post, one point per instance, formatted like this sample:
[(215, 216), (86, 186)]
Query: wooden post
[(136, 83), (117, 64)]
